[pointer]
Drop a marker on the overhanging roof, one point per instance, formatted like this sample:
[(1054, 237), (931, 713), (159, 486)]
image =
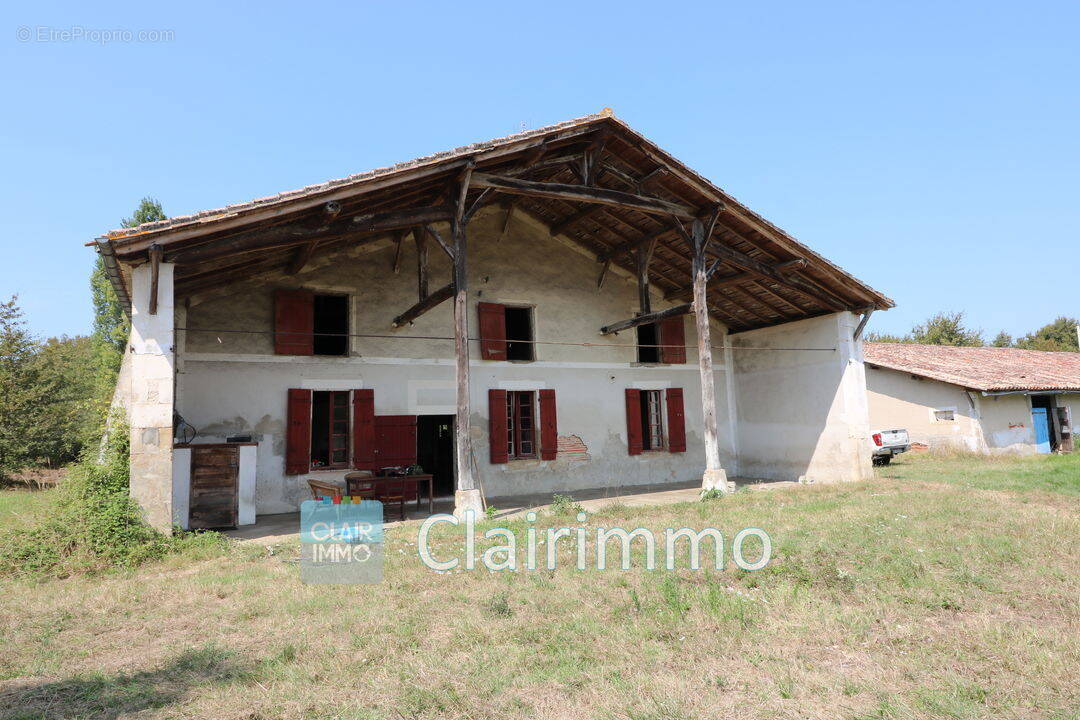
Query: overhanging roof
[(988, 369), (765, 278)]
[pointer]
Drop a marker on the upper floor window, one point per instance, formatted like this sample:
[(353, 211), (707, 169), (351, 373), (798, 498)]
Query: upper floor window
[(662, 342), (506, 332), (331, 324), (306, 323)]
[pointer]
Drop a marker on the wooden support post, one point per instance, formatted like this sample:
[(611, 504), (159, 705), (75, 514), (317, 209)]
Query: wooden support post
[(603, 274), (467, 496), (714, 478), (155, 269), (644, 257), (862, 323), (506, 221), (430, 230), (421, 263), (433, 300), (400, 239)]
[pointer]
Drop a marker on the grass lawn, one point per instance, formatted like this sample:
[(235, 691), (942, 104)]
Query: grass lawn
[(946, 588)]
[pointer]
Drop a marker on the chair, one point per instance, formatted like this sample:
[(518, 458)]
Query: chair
[(392, 491), (323, 488)]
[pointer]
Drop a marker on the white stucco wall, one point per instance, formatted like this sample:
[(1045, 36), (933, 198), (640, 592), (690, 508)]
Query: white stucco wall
[(898, 400), (984, 423), (231, 383), (802, 413)]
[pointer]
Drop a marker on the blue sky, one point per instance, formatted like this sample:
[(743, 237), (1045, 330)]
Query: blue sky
[(931, 149)]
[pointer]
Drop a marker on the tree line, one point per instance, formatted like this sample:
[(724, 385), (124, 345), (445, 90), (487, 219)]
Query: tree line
[(55, 392), (948, 328)]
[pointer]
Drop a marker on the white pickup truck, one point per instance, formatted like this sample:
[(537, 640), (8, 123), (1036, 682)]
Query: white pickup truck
[(888, 443)]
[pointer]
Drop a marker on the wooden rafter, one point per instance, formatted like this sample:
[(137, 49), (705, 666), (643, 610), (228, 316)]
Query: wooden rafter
[(577, 193)]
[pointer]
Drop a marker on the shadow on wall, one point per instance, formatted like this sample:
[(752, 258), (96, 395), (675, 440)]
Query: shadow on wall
[(801, 412), (104, 697)]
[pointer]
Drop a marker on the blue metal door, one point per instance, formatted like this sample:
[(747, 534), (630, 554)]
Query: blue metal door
[(1042, 429)]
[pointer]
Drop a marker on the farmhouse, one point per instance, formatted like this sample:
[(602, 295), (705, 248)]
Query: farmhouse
[(981, 399), (563, 308)]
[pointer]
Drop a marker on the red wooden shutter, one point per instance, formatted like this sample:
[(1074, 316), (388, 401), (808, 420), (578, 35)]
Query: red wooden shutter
[(497, 430), (364, 430), (298, 432), (676, 419), (634, 441), (294, 322), (549, 427), (673, 341), (492, 331), (395, 440)]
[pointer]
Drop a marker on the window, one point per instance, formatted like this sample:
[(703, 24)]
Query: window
[(648, 339), (330, 429), (520, 425), (519, 333), (310, 324), (944, 415), (331, 322), (652, 419), (663, 342), (647, 427), (506, 332)]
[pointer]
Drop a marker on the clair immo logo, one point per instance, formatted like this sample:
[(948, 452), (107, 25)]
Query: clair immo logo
[(341, 543)]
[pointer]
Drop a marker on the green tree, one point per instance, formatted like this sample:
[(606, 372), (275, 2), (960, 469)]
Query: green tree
[(884, 338), (1059, 336), (20, 393), (1002, 339), (68, 419), (946, 329)]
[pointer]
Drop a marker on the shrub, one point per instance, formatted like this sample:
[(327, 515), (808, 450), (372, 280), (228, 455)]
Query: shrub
[(95, 525)]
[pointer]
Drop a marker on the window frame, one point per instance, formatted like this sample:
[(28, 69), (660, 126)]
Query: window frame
[(515, 401), (330, 434), (653, 420), (934, 414)]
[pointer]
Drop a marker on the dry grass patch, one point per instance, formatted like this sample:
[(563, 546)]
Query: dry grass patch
[(901, 598)]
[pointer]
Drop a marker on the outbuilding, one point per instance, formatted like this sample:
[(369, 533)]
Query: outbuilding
[(979, 399), (564, 308)]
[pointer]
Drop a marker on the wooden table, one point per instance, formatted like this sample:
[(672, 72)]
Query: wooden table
[(354, 479)]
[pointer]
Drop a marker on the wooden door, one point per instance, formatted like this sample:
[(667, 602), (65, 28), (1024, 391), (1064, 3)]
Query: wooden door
[(215, 485)]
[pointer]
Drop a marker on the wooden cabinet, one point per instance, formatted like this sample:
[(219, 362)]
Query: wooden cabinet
[(215, 486)]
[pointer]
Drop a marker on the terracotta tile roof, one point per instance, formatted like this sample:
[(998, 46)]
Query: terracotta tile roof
[(355, 179), (989, 369)]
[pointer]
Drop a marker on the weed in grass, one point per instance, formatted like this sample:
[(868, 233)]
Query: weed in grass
[(711, 494), (785, 686), (499, 605), (564, 505)]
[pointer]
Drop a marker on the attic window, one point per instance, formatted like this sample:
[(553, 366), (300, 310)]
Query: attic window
[(519, 333), (331, 325), (648, 340)]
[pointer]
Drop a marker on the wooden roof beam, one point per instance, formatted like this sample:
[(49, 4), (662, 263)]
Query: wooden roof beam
[(646, 319), (431, 301), (685, 292), (577, 193)]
